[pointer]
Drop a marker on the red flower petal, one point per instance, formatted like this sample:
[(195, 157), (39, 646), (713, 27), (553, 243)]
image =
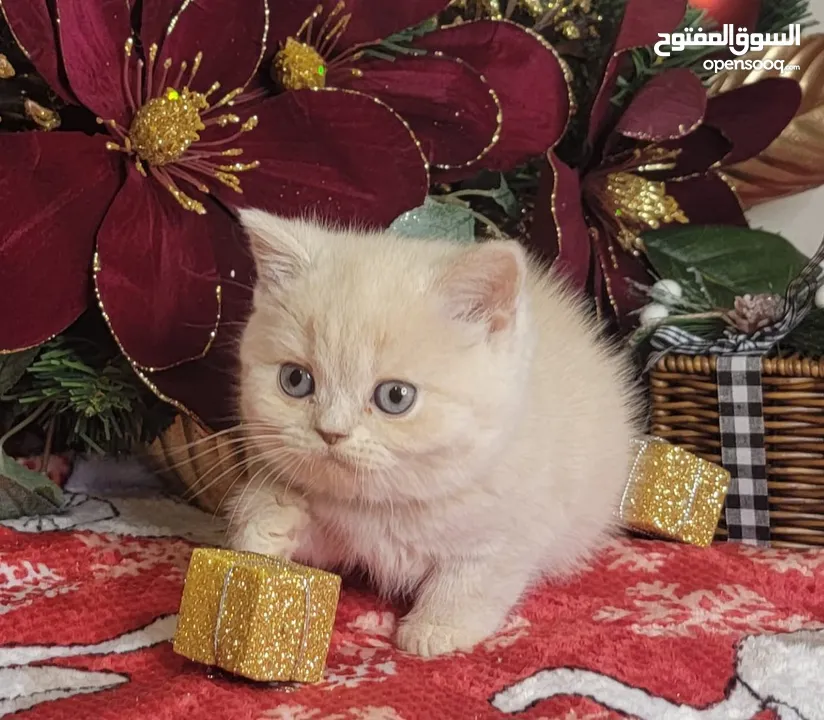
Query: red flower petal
[(668, 107), (448, 105), (617, 275), (34, 29), (231, 36), (528, 78), (157, 280), (708, 200), (559, 232), (699, 151), (338, 153), (752, 116), (55, 189), (643, 22), (206, 387), (371, 20), (155, 17), (92, 38)]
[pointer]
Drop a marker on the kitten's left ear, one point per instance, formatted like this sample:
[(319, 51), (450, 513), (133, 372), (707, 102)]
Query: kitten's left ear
[(484, 283)]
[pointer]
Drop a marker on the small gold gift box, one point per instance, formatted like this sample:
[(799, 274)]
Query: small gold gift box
[(673, 494), (257, 616)]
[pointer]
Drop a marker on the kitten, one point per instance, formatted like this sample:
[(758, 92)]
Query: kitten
[(442, 416)]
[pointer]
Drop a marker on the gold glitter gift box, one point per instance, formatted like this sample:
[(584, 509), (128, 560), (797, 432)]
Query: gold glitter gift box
[(672, 493), (257, 616)]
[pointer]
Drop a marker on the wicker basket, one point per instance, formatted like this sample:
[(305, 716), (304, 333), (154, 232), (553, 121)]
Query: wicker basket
[(207, 465), (684, 408)]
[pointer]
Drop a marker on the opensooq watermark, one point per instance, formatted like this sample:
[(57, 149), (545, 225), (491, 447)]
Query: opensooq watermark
[(738, 43)]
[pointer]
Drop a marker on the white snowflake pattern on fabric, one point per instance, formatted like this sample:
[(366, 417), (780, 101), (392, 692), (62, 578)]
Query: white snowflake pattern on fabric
[(368, 656), (657, 609), (22, 584), (515, 628), (27, 678), (295, 712), (300, 712), (374, 713), (575, 715), (379, 624), (808, 563), (623, 554), (135, 516), (115, 556)]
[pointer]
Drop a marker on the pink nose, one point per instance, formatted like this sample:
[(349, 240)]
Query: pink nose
[(329, 437)]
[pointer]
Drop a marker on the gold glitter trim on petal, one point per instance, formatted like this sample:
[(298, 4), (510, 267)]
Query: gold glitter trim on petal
[(97, 268), (607, 280), (13, 35), (173, 22), (35, 345), (499, 117), (6, 68), (728, 181), (682, 132), (552, 203), (266, 20), (400, 119), (565, 70), (672, 493), (43, 117)]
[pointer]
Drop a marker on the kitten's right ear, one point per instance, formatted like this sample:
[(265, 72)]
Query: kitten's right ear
[(276, 245)]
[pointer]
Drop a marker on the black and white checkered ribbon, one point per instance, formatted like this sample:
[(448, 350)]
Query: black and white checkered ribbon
[(741, 420), (740, 402)]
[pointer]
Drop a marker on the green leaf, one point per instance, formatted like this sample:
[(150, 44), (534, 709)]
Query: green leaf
[(25, 492), (437, 220), (13, 366), (723, 262), (505, 198)]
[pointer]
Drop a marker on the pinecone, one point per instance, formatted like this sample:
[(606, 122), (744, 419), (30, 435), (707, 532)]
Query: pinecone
[(753, 312)]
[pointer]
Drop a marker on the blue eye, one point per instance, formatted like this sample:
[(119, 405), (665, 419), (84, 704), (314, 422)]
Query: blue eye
[(295, 381), (395, 397)]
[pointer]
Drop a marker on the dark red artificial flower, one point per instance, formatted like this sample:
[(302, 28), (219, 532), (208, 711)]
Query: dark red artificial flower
[(656, 163), (485, 94), (175, 143)]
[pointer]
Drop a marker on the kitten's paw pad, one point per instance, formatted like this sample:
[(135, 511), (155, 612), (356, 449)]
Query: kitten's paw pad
[(429, 639)]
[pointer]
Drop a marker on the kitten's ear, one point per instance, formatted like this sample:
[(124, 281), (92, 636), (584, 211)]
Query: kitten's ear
[(484, 283), (277, 244)]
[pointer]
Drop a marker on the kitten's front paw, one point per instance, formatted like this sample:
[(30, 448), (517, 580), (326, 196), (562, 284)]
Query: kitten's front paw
[(273, 532), (428, 639)]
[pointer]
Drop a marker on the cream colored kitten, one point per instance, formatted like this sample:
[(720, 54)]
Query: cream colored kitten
[(442, 416)]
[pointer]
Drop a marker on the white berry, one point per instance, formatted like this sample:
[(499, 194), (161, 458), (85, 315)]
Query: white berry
[(652, 314), (667, 287), (819, 297)]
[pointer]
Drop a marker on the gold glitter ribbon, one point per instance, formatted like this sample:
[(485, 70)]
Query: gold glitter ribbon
[(257, 616), (672, 493)]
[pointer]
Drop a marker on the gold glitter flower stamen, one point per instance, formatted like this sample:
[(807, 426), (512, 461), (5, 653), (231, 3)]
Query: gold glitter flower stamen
[(632, 203), (168, 117), (305, 59)]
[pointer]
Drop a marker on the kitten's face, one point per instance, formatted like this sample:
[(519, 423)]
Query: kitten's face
[(376, 366)]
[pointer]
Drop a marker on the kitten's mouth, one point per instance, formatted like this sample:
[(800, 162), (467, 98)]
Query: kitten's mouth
[(339, 458)]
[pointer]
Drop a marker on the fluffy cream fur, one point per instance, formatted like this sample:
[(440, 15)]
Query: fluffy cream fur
[(509, 465)]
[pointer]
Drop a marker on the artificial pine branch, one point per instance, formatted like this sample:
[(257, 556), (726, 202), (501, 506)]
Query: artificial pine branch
[(85, 395), (777, 15)]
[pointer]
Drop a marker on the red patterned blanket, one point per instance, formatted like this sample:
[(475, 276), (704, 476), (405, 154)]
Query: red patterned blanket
[(651, 630)]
